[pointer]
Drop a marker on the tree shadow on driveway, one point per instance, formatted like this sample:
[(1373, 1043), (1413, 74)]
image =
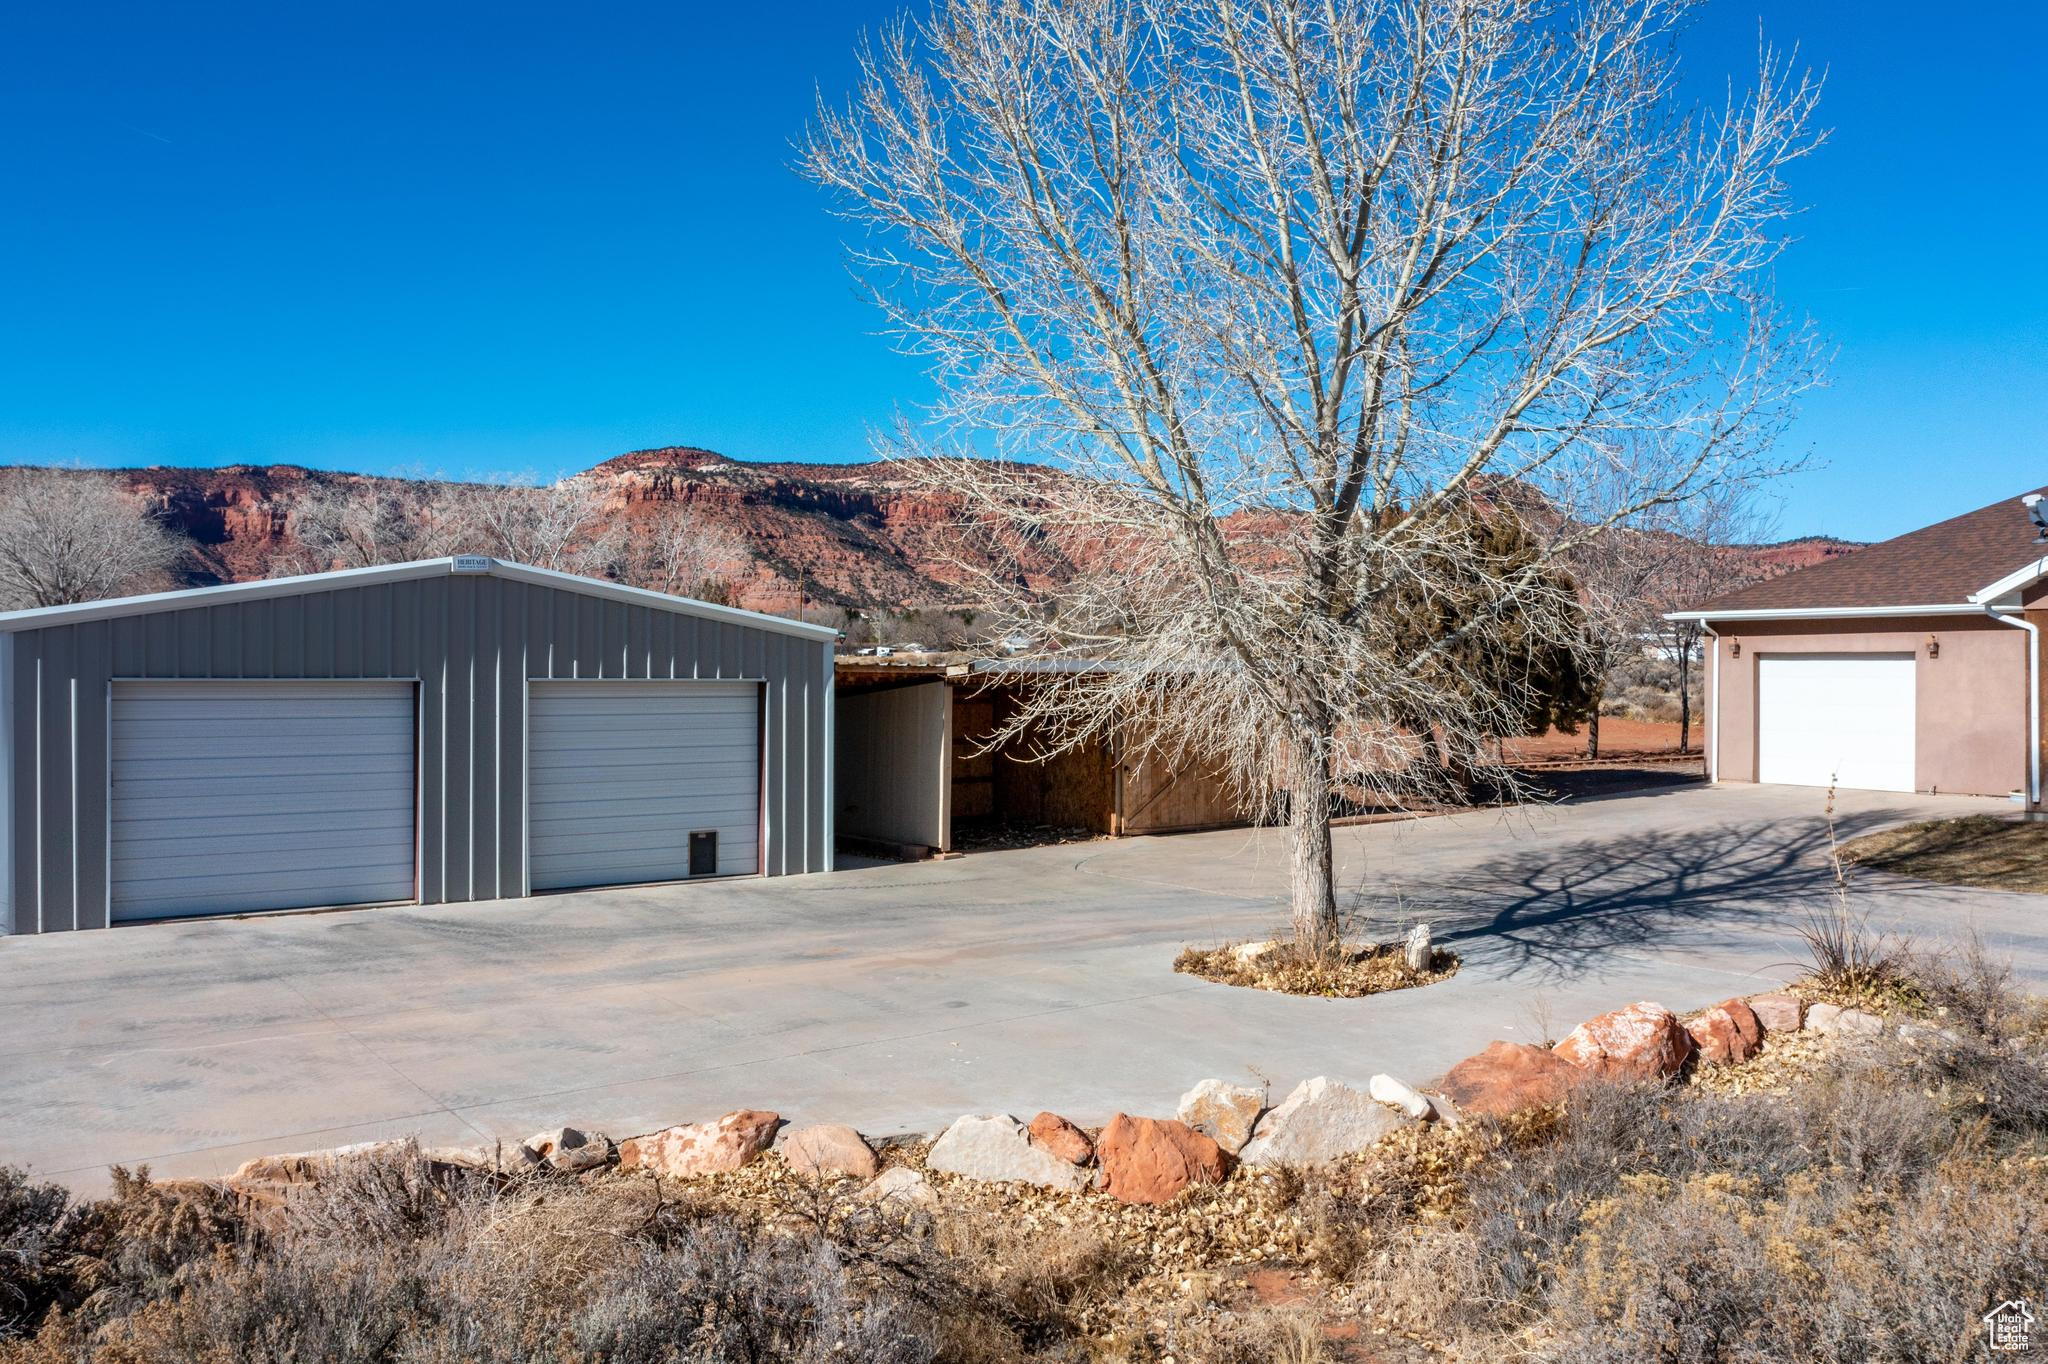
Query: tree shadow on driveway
[(1562, 912)]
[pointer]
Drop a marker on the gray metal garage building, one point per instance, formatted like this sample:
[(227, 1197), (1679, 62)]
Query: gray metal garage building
[(454, 729)]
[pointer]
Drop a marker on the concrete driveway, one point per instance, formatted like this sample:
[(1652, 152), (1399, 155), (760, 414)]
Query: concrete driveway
[(897, 997)]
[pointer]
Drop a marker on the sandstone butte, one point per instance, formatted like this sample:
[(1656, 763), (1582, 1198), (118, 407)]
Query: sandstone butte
[(865, 533)]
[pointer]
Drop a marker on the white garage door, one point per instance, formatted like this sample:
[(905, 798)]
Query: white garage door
[(1835, 719), (237, 796), (621, 774)]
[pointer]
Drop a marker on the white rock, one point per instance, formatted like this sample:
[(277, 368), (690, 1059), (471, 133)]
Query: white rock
[(1319, 1122), (1927, 1034), (1223, 1112), (1444, 1111), (501, 1158), (570, 1150), (995, 1148), (901, 1186), (1388, 1090), (1247, 953), (1836, 1020), (1421, 956)]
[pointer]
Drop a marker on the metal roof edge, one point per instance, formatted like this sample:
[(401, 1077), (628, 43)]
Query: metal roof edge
[(188, 598), (185, 598), (662, 601)]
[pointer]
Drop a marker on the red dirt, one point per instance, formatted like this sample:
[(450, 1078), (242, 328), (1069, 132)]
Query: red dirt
[(1619, 738)]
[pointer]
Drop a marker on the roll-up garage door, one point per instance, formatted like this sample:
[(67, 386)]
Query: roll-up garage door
[(1835, 720), (230, 797), (620, 775)]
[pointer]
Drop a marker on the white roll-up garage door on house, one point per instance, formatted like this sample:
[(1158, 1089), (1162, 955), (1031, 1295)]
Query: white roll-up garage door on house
[(230, 797), (1836, 720), (621, 775)]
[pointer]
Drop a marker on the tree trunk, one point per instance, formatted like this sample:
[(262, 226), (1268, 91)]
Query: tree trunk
[(1684, 695), (1312, 888), (1593, 731)]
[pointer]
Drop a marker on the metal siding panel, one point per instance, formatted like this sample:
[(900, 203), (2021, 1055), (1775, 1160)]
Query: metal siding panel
[(617, 647), (256, 637), (317, 630), (195, 642), (89, 739), (344, 643), (589, 653), (162, 646), (288, 621), (130, 647), (369, 646), (775, 836), (689, 647), (459, 603), (754, 653), (483, 746), (661, 644), (824, 754), (224, 658), (8, 789), (639, 642), (403, 612), (540, 632), (54, 771), (510, 681), (564, 654), (25, 793), (428, 638)]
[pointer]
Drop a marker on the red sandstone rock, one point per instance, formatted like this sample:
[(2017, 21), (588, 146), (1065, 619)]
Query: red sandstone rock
[(1726, 1033), (1778, 1012), (1640, 1042), (701, 1148), (1061, 1138), (1508, 1077), (1150, 1160)]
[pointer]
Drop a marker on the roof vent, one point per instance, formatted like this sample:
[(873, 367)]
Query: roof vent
[(472, 563)]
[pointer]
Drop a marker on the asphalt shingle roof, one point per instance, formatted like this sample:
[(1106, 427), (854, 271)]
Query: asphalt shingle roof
[(1937, 565)]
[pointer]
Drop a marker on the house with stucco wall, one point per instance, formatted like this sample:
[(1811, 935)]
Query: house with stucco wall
[(1910, 665)]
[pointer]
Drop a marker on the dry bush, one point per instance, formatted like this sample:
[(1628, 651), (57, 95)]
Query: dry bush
[(1282, 1334), (1984, 1052), (29, 1217), (1712, 1268), (1035, 1281), (1343, 970), (1854, 963)]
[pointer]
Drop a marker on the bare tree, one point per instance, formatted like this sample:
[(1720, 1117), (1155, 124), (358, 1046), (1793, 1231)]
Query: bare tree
[(69, 535), (675, 549), (1285, 287), (378, 521), (1711, 559), (1621, 576), (569, 525)]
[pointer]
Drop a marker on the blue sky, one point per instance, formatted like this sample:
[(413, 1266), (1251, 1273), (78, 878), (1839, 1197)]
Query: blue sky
[(520, 238)]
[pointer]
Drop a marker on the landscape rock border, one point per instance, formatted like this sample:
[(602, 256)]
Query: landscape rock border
[(1135, 1159)]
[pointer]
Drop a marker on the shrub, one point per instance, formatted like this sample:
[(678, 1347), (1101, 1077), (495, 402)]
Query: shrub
[(29, 1216)]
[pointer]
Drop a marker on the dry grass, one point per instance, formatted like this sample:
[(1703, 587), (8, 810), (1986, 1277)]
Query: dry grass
[(1977, 850), (1348, 971)]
